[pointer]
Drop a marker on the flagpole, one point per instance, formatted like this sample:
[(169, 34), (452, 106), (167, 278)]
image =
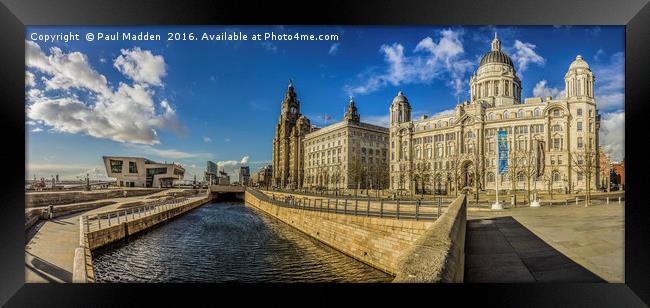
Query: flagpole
[(497, 205)]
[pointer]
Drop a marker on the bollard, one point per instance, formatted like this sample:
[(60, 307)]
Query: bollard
[(607, 200), (397, 210), (368, 208), (619, 200)]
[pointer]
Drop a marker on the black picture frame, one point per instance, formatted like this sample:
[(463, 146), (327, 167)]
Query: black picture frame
[(15, 14)]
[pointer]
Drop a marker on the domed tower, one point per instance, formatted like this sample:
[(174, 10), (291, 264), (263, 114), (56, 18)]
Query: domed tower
[(352, 114), (495, 80), (579, 80), (400, 110)]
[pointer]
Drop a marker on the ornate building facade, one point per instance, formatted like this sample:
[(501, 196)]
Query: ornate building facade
[(292, 127), (347, 154), (552, 143)]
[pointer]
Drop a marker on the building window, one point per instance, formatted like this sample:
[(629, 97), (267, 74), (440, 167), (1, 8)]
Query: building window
[(520, 114), (556, 112), (556, 176), (579, 176), (557, 128), (116, 166), (505, 114), (579, 112), (490, 177), (580, 142), (579, 126), (557, 143), (521, 177), (133, 168), (538, 112), (491, 116)]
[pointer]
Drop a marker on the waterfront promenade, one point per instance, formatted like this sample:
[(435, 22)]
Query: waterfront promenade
[(51, 244), (593, 237)]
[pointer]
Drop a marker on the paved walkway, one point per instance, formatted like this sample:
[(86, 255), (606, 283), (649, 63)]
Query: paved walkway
[(592, 238), (49, 252), (501, 250)]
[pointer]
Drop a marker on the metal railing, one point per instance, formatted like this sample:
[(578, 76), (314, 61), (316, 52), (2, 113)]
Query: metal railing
[(396, 209), (107, 219)]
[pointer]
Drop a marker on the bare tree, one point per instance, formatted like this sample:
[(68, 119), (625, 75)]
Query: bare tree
[(605, 170), (337, 177), (586, 163), (515, 162), (421, 174), (356, 173), (548, 177), (455, 172), (528, 167)]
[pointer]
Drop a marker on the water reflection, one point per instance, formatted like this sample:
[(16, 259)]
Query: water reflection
[(222, 242)]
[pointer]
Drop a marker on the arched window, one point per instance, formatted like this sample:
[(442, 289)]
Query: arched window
[(556, 112), (439, 124), (490, 177), (556, 176), (521, 176), (520, 114), (538, 112), (451, 122), (491, 116), (505, 114)]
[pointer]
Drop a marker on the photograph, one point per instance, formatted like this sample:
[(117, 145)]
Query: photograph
[(325, 154)]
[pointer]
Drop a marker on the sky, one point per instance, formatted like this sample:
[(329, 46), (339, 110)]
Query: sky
[(190, 101)]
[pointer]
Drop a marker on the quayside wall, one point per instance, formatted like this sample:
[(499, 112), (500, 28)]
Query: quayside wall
[(105, 236), (413, 251)]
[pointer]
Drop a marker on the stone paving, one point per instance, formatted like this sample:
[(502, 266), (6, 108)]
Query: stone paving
[(591, 238), (49, 252)]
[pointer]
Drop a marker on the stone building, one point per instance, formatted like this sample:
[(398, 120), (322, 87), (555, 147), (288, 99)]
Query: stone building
[(546, 136), (287, 160), (262, 178), (347, 154), (244, 175)]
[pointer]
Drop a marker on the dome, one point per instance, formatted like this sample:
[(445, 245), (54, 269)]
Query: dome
[(579, 63), (496, 56), (400, 98)]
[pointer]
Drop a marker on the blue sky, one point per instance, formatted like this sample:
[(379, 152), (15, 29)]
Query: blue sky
[(192, 101)]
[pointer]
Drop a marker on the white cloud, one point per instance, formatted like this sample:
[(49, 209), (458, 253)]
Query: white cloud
[(541, 90), (144, 150), (141, 66), (65, 171), (334, 48), (612, 134), (442, 59), (37, 129), (609, 86), (232, 166), (270, 46), (207, 139), (524, 54), (127, 114), (380, 120), (70, 70), (30, 79)]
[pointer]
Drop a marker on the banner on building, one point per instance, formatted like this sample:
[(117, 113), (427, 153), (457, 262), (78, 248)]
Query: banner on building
[(540, 158), (502, 145)]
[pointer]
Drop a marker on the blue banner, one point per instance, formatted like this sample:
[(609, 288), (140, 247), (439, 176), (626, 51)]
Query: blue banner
[(502, 144)]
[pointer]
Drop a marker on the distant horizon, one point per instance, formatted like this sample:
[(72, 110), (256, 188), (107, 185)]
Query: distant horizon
[(190, 102)]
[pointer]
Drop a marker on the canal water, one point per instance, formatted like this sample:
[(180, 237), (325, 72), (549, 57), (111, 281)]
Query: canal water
[(224, 242)]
